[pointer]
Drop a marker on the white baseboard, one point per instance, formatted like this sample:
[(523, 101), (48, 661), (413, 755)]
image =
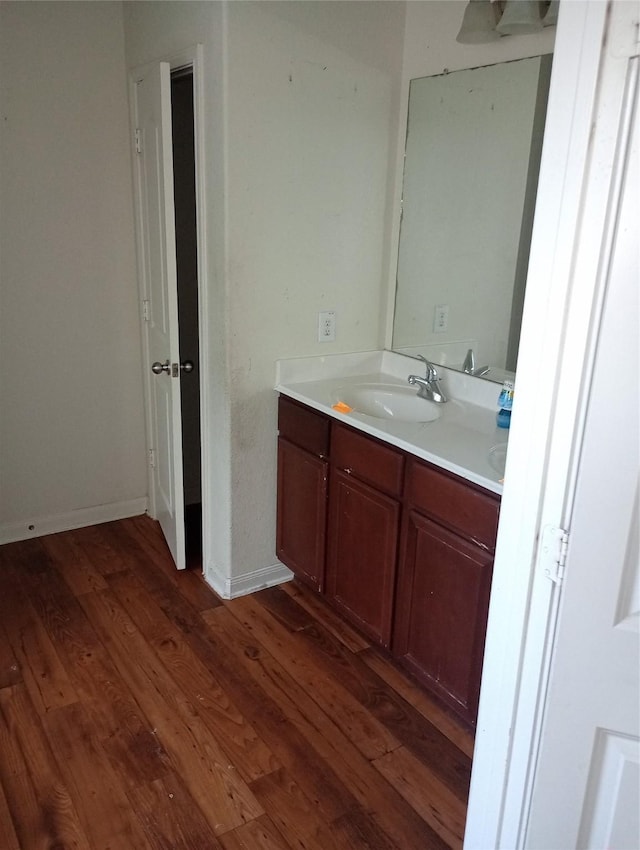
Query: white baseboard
[(11, 532), (230, 588)]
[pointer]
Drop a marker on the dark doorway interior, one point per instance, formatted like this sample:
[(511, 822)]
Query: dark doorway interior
[(184, 177)]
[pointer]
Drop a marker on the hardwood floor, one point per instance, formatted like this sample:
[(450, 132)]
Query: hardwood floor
[(138, 710)]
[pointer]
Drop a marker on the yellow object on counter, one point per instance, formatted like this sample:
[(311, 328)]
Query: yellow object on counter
[(341, 407)]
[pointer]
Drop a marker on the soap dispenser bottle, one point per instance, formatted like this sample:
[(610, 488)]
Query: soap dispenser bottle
[(505, 403)]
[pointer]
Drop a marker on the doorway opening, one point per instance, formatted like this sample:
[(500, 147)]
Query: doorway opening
[(184, 185)]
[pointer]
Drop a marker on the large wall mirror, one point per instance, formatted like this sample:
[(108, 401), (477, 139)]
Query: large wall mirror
[(472, 158)]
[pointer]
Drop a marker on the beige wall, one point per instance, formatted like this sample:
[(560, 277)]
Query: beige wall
[(303, 128), (72, 429), (159, 30), (300, 116), (312, 103)]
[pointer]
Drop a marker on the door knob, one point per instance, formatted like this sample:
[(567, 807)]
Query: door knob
[(158, 368), (187, 366)]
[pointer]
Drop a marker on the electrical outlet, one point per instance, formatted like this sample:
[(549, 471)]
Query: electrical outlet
[(440, 318), (327, 326)]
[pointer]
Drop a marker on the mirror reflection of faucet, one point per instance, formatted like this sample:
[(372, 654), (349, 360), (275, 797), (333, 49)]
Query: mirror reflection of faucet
[(469, 366), (428, 387)]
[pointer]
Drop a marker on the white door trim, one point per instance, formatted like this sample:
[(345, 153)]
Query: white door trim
[(191, 56), (556, 355)]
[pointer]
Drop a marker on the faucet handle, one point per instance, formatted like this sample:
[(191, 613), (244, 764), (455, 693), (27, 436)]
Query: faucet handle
[(469, 365), (431, 374)]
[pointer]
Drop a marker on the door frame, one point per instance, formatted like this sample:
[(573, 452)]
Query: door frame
[(189, 57), (565, 287)]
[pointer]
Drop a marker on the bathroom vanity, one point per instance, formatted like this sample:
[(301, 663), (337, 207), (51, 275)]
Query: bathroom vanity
[(392, 535)]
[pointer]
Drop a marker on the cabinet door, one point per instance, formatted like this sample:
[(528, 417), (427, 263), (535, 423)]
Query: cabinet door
[(361, 563), (302, 512), (441, 616)]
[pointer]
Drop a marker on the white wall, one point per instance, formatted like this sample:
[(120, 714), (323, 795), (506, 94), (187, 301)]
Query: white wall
[(300, 117), (312, 104), (303, 125), (72, 430), (159, 30)]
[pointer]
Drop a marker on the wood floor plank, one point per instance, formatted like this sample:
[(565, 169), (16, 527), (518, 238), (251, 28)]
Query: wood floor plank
[(215, 784), (18, 790), (170, 817), (420, 787), (12, 762), (322, 613), (73, 563), (8, 837), (42, 670), (126, 736), (265, 702), (152, 543), (244, 748), (139, 710), (296, 716), (98, 546), (192, 586), (28, 556), (364, 687), (156, 570), (407, 725), (40, 800), (372, 738), (358, 829), (96, 791), (27, 815), (161, 577), (286, 609), (10, 670), (294, 814), (259, 834), (420, 700), (30, 819)]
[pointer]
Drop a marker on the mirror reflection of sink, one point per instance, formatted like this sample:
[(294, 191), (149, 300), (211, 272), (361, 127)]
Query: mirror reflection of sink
[(388, 401)]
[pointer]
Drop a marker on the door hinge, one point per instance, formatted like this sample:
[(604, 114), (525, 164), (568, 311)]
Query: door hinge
[(152, 458), (145, 309), (138, 139), (553, 552)]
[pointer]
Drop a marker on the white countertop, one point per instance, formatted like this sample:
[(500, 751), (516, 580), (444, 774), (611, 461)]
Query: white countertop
[(460, 440)]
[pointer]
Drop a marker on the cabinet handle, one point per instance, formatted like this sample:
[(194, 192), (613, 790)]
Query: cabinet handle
[(348, 470)]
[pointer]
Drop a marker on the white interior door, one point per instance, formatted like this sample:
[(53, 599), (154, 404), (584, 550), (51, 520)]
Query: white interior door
[(586, 790), (160, 297)]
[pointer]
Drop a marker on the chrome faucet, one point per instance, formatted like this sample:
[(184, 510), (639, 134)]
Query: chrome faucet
[(428, 387), (469, 366)]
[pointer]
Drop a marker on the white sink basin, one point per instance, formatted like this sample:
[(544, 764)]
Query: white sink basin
[(388, 401)]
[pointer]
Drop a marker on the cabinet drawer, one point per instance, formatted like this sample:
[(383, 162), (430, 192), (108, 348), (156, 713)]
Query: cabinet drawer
[(303, 427), (372, 462), (457, 504)]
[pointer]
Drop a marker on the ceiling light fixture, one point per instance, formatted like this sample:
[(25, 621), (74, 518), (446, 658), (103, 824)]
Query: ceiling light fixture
[(478, 23), (520, 17), (488, 20)]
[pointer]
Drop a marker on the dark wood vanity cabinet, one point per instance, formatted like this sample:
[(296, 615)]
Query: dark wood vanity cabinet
[(303, 447), (444, 581), (404, 550), (363, 530)]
